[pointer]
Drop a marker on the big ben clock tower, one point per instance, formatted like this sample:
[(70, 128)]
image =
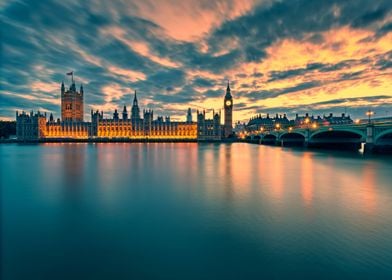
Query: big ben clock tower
[(228, 107)]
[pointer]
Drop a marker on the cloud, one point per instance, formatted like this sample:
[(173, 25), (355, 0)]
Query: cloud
[(177, 54)]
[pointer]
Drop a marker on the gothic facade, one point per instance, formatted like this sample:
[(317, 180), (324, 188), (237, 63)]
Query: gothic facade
[(209, 129), (121, 126), (72, 103)]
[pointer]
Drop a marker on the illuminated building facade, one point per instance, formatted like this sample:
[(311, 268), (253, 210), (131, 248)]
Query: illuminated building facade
[(142, 128), (121, 126), (38, 127)]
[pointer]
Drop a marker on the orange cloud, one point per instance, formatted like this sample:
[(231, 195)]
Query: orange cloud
[(189, 20), (139, 47), (338, 45), (45, 87), (131, 75)]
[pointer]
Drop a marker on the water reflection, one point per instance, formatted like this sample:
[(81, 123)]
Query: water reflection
[(368, 188), (189, 210), (307, 182), (74, 171), (225, 171)]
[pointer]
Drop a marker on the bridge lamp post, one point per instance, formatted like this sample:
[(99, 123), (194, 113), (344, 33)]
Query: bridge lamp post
[(307, 122), (369, 144), (261, 130), (277, 128), (369, 113)]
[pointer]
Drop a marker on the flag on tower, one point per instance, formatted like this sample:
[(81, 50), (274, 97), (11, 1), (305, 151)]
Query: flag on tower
[(70, 73)]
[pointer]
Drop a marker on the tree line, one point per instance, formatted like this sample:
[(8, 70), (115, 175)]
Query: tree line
[(7, 129)]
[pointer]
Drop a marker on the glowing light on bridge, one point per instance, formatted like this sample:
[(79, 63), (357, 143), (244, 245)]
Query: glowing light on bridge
[(369, 113)]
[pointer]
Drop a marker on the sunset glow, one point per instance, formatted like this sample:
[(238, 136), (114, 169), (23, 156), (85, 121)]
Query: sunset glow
[(280, 56)]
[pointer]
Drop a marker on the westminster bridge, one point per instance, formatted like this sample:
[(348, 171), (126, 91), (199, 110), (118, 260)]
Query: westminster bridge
[(369, 136)]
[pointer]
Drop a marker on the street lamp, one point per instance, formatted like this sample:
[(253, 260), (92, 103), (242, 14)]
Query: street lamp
[(307, 121), (278, 133), (369, 113)]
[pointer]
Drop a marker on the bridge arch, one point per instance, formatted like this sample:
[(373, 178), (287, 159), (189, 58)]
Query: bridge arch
[(339, 134), (292, 139), (384, 134), (292, 135), (269, 139)]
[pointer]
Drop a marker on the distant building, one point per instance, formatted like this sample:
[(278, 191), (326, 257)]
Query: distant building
[(209, 129), (343, 119), (267, 123), (259, 123), (303, 120), (325, 120), (239, 128)]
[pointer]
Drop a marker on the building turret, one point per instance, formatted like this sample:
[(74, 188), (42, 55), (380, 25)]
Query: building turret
[(189, 116), (81, 89), (115, 115), (125, 113), (62, 88), (135, 111)]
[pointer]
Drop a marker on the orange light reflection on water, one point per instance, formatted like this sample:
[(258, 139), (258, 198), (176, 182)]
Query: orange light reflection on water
[(368, 193), (307, 179)]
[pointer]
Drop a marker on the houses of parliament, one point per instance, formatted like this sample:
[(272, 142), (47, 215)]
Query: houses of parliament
[(122, 126)]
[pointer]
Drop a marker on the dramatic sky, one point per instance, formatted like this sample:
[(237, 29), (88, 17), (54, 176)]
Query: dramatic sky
[(290, 56)]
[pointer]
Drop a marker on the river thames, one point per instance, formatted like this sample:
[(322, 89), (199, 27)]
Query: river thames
[(193, 211)]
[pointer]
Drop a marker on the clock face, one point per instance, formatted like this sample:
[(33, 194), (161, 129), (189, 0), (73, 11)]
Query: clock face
[(228, 103)]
